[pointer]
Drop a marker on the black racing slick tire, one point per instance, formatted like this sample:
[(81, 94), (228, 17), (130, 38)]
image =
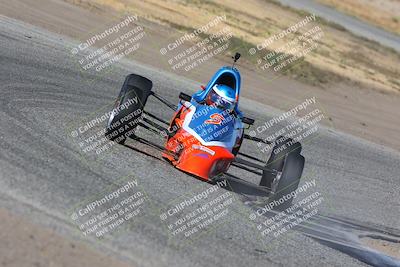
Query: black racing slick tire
[(289, 180), (128, 108), (277, 158), (288, 164)]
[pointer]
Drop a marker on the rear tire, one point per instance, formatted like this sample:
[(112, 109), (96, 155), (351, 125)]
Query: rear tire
[(290, 179), (285, 159), (277, 159)]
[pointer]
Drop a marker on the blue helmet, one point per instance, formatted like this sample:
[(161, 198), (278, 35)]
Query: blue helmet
[(222, 96)]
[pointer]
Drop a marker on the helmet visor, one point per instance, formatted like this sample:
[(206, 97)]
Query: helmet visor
[(220, 102)]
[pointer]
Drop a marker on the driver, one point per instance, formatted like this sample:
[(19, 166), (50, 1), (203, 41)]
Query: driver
[(221, 96)]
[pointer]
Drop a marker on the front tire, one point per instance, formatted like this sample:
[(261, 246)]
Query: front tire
[(118, 129), (128, 108)]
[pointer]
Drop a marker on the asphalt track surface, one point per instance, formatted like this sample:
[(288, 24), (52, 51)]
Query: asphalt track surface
[(352, 24), (44, 173)]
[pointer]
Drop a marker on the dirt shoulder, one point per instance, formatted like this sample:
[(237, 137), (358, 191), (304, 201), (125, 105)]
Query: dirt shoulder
[(386, 247), (25, 244), (340, 55), (351, 106), (382, 13)]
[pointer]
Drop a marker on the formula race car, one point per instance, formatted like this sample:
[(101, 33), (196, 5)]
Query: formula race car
[(205, 134)]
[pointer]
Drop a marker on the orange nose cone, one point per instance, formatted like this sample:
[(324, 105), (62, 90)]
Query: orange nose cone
[(205, 162)]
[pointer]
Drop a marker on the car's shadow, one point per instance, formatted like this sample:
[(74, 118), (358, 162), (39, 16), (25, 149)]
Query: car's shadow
[(234, 183), (130, 146), (240, 186)]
